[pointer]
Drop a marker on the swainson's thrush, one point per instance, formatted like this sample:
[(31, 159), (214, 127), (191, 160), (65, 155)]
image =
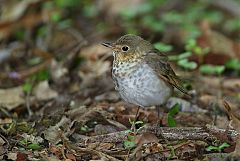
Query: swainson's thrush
[(142, 75)]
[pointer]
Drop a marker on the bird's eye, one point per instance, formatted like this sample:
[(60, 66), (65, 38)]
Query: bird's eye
[(125, 48)]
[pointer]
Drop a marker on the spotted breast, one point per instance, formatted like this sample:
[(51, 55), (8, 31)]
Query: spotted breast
[(138, 84)]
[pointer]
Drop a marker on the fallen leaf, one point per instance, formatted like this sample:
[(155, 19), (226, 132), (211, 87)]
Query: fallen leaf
[(54, 133), (95, 52), (140, 140), (12, 97), (15, 9), (12, 156), (221, 47), (232, 84), (70, 157), (42, 91)]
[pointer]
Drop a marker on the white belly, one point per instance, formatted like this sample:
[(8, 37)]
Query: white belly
[(142, 87)]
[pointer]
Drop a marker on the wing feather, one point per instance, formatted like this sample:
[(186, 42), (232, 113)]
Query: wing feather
[(159, 63)]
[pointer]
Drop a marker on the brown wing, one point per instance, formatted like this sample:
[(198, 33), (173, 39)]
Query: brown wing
[(159, 63)]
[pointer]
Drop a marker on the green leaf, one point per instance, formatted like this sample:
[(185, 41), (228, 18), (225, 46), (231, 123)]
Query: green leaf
[(34, 146), (24, 142), (187, 64), (128, 144), (173, 17), (173, 111), (218, 148), (212, 69), (163, 47), (27, 87), (185, 55), (171, 121), (65, 24), (55, 16), (42, 75), (138, 122), (131, 137), (223, 146), (233, 64), (35, 61), (153, 23), (68, 3), (190, 45), (212, 148), (19, 34)]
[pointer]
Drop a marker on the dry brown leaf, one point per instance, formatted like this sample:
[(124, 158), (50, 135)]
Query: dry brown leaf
[(207, 100), (12, 156), (140, 140), (95, 52), (13, 16), (54, 133), (12, 97), (42, 91), (221, 47), (57, 70), (115, 7), (232, 84), (70, 157)]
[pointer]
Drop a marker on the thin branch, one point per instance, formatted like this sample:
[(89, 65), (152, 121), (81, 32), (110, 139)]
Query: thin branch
[(208, 133)]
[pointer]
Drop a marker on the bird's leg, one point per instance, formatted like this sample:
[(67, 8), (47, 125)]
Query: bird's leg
[(159, 121), (158, 114), (133, 127)]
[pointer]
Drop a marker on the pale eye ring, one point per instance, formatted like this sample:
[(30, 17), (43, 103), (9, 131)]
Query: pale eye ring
[(125, 48)]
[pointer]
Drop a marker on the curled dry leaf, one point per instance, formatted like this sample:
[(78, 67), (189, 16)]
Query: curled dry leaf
[(12, 97), (42, 91), (54, 133)]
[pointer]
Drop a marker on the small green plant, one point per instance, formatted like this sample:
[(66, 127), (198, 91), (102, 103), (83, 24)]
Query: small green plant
[(130, 142), (163, 47), (35, 61), (170, 116), (172, 152), (135, 123), (27, 87), (218, 148), (29, 145), (212, 69), (40, 76), (233, 64), (85, 128)]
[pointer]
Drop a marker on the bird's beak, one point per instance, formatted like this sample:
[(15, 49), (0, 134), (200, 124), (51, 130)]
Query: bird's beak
[(107, 44)]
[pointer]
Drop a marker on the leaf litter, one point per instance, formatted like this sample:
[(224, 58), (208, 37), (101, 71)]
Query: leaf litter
[(64, 77)]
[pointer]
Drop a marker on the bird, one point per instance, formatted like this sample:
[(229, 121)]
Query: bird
[(142, 75)]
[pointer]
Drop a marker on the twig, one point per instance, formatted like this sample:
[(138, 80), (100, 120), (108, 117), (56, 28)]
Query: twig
[(208, 133)]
